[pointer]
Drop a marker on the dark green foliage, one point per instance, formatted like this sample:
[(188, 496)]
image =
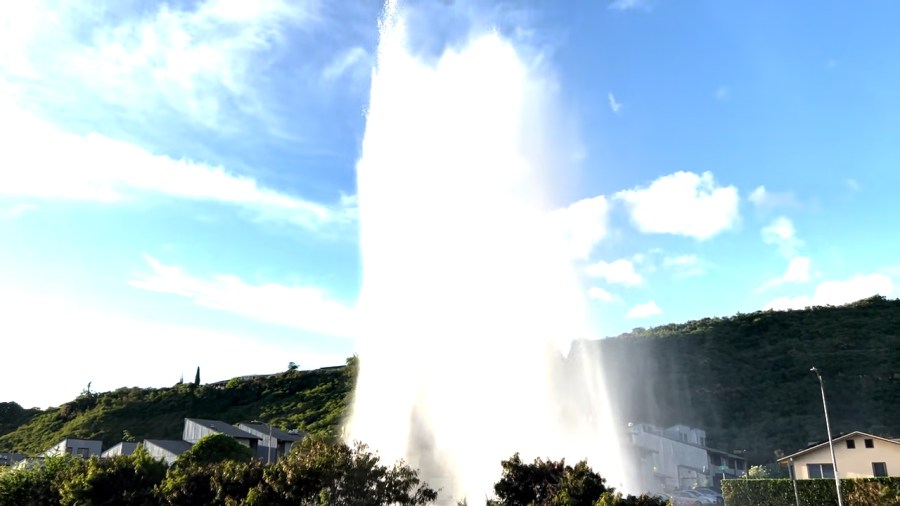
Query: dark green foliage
[(313, 401), (746, 380), (325, 472), (547, 483), (221, 484), (197, 377), (12, 416), (617, 499), (126, 480), (857, 492), (213, 449), (35, 485)]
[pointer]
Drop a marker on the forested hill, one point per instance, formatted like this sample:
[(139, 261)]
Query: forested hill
[(314, 401), (746, 379)]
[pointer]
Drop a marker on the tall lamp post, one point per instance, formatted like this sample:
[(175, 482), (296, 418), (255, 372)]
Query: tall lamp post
[(837, 478)]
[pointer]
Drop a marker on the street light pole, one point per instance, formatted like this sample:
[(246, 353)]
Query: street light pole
[(837, 477)]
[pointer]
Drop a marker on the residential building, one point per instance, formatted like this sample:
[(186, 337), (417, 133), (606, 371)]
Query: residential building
[(274, 442), (123, 448), (196, 428), (11, 458), (84, 448), (678, 458), (166, 449), (858, 455)]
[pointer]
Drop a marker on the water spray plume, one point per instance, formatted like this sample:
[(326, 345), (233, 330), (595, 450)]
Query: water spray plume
[(468, 295)]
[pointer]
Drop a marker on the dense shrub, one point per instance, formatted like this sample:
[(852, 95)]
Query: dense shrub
[(780, 492)]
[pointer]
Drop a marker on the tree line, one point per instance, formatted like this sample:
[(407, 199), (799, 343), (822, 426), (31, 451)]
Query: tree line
[(320, 471)]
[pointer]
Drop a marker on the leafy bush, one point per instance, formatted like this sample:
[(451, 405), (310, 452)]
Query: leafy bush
[(822, 492), (126, 480)]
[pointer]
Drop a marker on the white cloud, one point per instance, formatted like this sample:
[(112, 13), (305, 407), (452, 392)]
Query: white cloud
[(597, 293), (781, 233), (723, 93), (97, 168), (583, 224), (616, 107), (683, 203), (836, 293), (627, 5), (797, 272), (644, 310), (302, 307), (202, 61), (619, 272), (684, 265)]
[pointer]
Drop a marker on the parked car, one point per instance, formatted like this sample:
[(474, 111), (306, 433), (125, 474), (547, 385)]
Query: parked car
[(680, 501), (693, 494), (712, 493)]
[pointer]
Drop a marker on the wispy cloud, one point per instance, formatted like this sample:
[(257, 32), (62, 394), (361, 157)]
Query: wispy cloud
[(627, 5), (619, 272), (644, 310), (838, 292), (16, 211), (683, 265), (615, 106), (355, 61), (206, 61), (302, 307), (96, 168), (781, 233), (583, 224), (683, 203), (765, 200)]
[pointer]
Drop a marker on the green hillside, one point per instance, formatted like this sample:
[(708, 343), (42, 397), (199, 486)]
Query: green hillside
[(746, 379), (314, 401)]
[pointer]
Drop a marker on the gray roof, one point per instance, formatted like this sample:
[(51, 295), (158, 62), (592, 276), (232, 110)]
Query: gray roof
[(128, 447), (277, 433), (175, 446), (224, 428)]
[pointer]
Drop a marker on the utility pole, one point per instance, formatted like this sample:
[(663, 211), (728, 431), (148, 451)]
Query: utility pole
[(837, 477)]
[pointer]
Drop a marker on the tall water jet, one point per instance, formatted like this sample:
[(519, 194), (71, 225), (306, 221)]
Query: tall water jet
[(468, 294)]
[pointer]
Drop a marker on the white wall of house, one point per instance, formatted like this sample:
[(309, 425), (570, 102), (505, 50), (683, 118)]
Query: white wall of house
[(856, 462), (84, 448)]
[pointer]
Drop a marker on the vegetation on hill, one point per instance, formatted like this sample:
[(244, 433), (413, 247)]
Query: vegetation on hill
[(312, 401), (746, 379)]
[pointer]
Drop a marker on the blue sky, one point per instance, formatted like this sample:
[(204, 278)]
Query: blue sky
[(177, 182)]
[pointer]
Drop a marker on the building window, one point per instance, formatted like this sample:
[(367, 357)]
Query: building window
[(851, 444), (879, 469), (869, 443), (820, 470), (83, 452)]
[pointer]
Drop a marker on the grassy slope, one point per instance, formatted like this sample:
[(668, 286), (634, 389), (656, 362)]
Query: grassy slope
[(313, 401)]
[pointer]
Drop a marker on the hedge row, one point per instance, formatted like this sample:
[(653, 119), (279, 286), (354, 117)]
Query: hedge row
[(780, 492)]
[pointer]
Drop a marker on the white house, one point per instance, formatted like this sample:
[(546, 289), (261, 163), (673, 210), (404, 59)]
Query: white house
[(274, 442), (84, 448), (858, 455)]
